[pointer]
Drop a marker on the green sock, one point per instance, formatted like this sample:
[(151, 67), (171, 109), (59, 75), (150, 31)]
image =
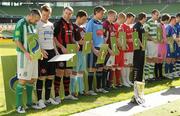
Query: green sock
[(19, 92), (29, 89)]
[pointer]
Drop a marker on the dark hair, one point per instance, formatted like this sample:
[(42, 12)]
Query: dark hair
[(155, 11), (172, 17), (165, 17), (99, 9), (35, 12), (111, 11), (130, 14), (178, 14), (141, 16), (69, 8), (46, 8), (81, 13)]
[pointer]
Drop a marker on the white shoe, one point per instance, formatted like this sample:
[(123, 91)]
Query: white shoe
[(130, 83), (104, 91), (57, 99), (52, 101), (175, 74), (126, 84), (91, 92), (36, 106), (99, 90), (169, 76), (178, 73), (20, 110), (70, 97), (41, 104)]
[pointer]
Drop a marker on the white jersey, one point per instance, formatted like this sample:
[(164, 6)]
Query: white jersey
[(45, 33)]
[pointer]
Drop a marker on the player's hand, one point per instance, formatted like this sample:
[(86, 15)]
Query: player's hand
[(82, 42), (28, 56), (96, 52), (64, 50), (112, 34), (127, 47), (78, 47), (45, 54), (111, 53)]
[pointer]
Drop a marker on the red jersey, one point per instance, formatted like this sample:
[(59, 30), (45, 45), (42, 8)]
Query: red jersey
[(129, 39), (109, 31)]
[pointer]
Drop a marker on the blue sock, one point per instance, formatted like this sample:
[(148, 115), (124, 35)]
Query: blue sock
[(73, 84), (80, 84)]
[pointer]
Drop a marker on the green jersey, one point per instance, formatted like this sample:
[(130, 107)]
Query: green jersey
[(26, 34), (21, 31), (152, 28)]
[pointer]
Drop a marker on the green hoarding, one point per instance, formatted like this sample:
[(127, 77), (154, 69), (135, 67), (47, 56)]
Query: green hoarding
[(9, 64)]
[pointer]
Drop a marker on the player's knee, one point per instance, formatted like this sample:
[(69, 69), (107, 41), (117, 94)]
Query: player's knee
[(22, 82), (68, 72), (74, 73), (100, 69), (59, 72), (50, 77), (41, 78), (32, 81)]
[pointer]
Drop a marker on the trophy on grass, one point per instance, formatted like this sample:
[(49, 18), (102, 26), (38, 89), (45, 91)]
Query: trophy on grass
[(138, 93)]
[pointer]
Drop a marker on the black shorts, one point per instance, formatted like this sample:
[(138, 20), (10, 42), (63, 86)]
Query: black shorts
[(62, 64), (92, 59), (46, 68)]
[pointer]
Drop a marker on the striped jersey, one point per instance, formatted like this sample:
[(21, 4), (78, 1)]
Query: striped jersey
[(45, 34), (151, 28), (22, 29)]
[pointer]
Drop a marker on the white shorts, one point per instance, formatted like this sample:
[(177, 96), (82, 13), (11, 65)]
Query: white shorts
[(110, 61), (128, 58), (152, 49), (26, 69)]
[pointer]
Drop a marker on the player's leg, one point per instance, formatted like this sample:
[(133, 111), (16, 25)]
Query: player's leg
[(91, 70), (57, 80)]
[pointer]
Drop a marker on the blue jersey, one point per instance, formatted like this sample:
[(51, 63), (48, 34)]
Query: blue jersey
[(96, 28), (177, 28), (177, 47), (171, 30)]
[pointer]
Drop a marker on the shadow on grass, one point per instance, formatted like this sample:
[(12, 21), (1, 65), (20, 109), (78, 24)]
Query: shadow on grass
[(167, 82), (126, 107), (172, 91)]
